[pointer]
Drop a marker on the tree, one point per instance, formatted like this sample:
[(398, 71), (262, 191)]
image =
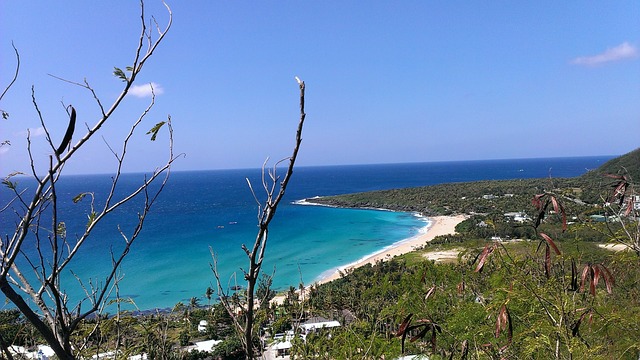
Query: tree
[(208, 293), (42, 298), (271, 183), (264, 293)]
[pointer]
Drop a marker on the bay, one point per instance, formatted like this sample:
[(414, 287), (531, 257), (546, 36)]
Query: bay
[(203, 211)]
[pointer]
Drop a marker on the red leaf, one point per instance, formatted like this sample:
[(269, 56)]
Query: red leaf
[(537, 201), (421, 334), (629, 208), (549, 241), (461, 287), (614, 176), (556, 208), (433, 338), (559, 209), (575, 329), (430, 292), (585, 271), (404, 325), (547, 261), (504, 322), (483, 257), (596, 275), (609, 280), (574, 276), (499, 322)]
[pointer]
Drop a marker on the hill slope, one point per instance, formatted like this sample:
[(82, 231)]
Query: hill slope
[(627, 164), (487, 196)]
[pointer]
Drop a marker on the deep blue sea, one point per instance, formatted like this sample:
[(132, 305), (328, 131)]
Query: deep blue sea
[(214, 210)]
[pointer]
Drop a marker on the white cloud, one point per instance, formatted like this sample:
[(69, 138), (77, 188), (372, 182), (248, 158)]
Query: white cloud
[(4, 149), (145, 90), (39, 131), (620, 52)]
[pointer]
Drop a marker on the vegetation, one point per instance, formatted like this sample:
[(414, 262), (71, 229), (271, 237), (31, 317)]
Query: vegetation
[(241, 308), (32, 280), (551, 292), (554, 295)]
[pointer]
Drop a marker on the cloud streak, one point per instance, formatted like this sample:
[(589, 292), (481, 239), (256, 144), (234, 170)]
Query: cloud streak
[(36, 132), (146, 90), (620, 52)]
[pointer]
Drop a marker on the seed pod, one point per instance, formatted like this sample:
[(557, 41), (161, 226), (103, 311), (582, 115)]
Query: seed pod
[(69, 133)]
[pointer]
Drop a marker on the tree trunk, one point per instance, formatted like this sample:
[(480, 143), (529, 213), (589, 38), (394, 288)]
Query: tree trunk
[(35, 320)]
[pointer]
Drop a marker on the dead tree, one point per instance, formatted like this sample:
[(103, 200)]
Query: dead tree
[(34, 283), (243, 314)]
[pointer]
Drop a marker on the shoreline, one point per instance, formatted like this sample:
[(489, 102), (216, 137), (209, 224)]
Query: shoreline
[(438, 225)]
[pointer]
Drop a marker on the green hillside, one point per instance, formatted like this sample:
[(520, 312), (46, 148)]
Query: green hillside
[(499, 299), (628, 164), (493, 195)]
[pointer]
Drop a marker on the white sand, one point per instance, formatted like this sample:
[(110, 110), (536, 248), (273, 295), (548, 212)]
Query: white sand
[(614, 247), (439, 256), (440, 225)]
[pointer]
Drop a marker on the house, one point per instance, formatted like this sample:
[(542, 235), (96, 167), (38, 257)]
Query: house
[(317, 323), (282, 348), (41, 352), (519, 216), (206, 345), (202, 326)]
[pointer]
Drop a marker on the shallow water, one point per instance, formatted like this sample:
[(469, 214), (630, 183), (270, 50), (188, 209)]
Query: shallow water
[(204, 210)]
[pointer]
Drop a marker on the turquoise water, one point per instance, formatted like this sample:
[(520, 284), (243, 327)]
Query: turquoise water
[(199, 211)]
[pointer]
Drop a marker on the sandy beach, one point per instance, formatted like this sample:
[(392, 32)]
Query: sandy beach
[(440, 225)]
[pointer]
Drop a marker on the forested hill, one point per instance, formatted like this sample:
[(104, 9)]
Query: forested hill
[(494, 195), (628, 164)]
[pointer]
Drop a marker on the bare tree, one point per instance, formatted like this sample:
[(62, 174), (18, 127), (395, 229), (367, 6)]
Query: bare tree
[(624, 204), (243, 313), (34, 283)]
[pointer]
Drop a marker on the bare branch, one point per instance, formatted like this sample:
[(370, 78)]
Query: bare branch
[(51, 314), (256, 254), (15, 77)]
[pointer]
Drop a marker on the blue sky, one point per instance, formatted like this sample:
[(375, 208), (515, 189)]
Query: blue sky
[(387, 81)]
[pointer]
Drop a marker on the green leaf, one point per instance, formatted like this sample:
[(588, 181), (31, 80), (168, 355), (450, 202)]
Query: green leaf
[(154, 130), (8, 183), (92, 218), (120, 74), (62, 229), (129, 68), (11, 185), (121, 301), (79, 197)]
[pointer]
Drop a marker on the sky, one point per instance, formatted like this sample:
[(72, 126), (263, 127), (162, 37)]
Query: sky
[(386, 81)]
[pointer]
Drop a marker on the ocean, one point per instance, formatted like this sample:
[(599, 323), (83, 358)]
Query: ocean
[(205, 212)]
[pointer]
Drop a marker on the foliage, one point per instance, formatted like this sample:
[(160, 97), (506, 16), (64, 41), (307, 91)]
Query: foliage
[(33, 280), (554, 295), (231, 348)]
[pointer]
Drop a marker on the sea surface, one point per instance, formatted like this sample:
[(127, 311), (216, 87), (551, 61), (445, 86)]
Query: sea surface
[(202, 213)]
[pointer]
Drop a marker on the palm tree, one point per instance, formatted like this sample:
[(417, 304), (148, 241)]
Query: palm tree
[(208, 294)]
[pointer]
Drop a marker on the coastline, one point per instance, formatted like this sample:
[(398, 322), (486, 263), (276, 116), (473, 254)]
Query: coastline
[(438, 225)]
